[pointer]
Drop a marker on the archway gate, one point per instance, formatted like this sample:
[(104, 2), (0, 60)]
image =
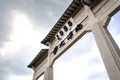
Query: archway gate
[(80, 17)]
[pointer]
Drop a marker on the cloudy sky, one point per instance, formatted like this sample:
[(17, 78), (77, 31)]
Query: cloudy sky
[(24, 23)]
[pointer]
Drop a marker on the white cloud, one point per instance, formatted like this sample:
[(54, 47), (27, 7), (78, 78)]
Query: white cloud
[(23, 35), (23, 46), (15, 77)]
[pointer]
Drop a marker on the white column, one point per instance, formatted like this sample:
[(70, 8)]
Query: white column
[(48, 73), (49, 67), (34, 78), (109, 50)]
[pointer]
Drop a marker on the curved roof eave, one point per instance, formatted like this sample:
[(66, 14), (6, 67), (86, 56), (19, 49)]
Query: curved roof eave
[(38, 57)]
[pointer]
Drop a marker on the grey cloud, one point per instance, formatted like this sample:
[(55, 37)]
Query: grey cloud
[(42, 13), (40, 10), (17, 64), (5, 26), (2, 76)]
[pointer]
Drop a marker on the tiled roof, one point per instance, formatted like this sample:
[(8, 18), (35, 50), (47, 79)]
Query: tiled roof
[(41, 54)]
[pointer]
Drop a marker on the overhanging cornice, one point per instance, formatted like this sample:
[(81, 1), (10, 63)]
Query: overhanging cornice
[(39, 58)]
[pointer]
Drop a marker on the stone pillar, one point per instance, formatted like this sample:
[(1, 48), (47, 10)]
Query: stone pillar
[(48, 73), (109, 50), (34, 78)]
